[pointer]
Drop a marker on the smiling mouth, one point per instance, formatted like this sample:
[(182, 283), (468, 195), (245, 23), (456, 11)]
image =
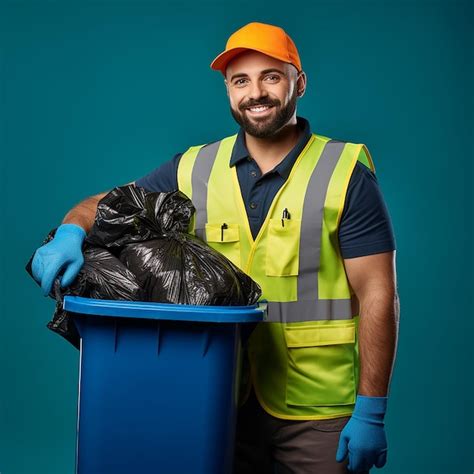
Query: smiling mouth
[(259, 109)]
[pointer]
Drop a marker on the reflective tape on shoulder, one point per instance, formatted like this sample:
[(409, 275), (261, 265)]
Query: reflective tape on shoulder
[(199, 179), (312, 220)]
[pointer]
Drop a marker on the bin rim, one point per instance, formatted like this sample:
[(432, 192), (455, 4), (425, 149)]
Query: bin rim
[(165, 311)]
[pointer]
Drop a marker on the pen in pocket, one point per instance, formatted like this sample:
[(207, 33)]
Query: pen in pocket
[(285, 215), (223, 226)]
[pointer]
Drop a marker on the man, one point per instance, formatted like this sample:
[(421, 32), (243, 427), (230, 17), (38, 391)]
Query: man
[(303, 215)]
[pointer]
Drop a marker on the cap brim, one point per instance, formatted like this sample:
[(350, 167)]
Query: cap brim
[(221, 61)]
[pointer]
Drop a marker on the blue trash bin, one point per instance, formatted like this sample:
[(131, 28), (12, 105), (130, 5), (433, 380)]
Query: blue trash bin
[(158, 385)]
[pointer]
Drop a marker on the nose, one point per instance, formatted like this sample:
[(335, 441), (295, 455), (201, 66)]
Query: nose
[(257, 91)]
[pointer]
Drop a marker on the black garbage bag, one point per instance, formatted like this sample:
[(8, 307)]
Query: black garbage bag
[(131, 214), (139, 250), (148, 233), (103, 276)]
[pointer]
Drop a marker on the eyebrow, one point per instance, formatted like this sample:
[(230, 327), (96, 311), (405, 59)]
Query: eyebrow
[(265, 71)]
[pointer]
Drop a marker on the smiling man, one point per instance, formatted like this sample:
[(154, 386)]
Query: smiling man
[(263, 101), (303, 215)]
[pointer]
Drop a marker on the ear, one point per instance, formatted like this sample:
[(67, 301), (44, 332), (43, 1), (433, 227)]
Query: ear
[(301, 83), (226, 87)]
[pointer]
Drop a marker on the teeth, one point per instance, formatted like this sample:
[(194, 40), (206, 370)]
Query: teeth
[(259, 109)]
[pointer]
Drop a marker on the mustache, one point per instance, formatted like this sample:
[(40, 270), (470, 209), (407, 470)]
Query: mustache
[(256, 103)]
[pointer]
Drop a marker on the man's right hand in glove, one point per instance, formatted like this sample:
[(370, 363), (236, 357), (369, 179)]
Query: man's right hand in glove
[(64, 252)]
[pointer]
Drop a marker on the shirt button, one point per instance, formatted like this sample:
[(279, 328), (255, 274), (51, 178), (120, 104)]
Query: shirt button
[(253, 174), (253, 205)]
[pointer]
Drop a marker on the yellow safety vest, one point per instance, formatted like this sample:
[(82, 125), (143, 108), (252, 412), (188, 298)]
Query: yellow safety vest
[(304, 358)]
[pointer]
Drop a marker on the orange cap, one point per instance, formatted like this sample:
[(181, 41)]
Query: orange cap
[(267, 39)]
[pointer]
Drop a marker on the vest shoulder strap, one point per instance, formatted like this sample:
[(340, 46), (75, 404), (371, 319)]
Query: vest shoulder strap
[(366, 159), (185, 167), (364, 154)]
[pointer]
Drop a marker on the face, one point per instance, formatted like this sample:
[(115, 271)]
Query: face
[(263, 92)]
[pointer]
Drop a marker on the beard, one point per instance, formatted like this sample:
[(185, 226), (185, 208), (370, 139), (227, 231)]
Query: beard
[(268, 126)]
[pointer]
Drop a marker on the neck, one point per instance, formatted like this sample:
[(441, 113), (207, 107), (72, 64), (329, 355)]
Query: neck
[(269, 152)]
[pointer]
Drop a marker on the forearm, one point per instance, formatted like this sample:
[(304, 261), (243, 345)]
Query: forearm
[(378, 337), (84, 213)]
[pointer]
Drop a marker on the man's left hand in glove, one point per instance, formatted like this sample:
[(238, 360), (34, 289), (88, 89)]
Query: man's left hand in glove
[(363, 438)]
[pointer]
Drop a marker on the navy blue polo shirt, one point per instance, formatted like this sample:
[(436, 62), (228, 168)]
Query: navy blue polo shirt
[(365, 227)]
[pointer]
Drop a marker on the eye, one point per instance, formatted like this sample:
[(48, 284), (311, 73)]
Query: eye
[(240, 82), (272, 77)]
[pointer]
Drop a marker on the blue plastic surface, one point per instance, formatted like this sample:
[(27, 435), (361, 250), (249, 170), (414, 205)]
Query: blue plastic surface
[(174, 312), (157, 392)]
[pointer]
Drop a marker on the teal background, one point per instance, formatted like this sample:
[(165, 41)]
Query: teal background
[(97, 94)]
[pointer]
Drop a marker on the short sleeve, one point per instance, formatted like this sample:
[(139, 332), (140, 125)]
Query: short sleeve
[(365, 226), (162, 179)]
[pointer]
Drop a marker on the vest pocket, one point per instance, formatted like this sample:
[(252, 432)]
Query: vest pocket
[(225, 238), (283, 244), (321, 365)]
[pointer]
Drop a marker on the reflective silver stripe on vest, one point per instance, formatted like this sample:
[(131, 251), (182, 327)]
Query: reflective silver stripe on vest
[(199, 180), (312, 220), (308, 310), (308, 307)]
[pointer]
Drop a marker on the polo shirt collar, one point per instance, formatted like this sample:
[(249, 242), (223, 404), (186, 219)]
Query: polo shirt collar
[(240, 152)]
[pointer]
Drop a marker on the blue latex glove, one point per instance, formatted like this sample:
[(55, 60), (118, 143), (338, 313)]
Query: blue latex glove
[(63, 252), (363, 437)]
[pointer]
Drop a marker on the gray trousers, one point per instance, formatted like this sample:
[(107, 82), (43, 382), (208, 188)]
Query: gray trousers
[(269, 445)]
